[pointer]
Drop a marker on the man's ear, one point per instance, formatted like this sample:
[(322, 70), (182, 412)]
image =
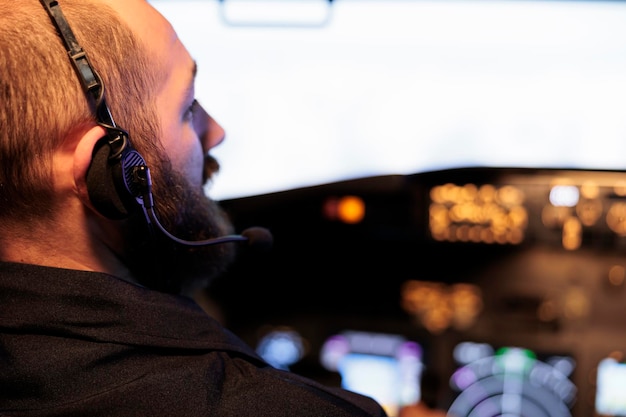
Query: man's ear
[(82, 160)]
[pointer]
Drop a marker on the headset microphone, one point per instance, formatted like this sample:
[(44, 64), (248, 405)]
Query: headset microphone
[(256, 237)]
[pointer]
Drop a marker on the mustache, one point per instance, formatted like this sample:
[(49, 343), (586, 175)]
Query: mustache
[(211, 167)]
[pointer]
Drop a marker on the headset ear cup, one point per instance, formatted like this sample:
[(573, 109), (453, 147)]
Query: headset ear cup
[(103, 183)]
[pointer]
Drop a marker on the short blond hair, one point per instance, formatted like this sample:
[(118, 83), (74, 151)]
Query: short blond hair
[(42, 103)]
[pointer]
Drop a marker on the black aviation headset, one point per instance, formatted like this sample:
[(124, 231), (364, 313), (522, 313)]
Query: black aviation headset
[(118, 179)]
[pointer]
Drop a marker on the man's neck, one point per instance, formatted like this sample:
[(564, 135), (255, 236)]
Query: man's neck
[(60, 244)]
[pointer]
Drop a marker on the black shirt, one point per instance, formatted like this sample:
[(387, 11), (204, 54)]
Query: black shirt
[(75, 343)]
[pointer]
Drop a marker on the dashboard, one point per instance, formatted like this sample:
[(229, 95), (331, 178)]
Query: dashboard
[(506, 282)]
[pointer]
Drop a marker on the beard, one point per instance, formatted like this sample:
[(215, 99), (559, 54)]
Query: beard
[(188, 213)]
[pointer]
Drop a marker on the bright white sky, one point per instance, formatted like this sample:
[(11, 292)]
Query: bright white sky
[(406, 86)]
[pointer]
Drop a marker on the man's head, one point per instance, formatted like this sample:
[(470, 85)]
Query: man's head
[(48, 133)]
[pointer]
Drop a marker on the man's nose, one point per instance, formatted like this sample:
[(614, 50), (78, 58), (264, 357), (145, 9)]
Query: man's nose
[(208, 130)]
